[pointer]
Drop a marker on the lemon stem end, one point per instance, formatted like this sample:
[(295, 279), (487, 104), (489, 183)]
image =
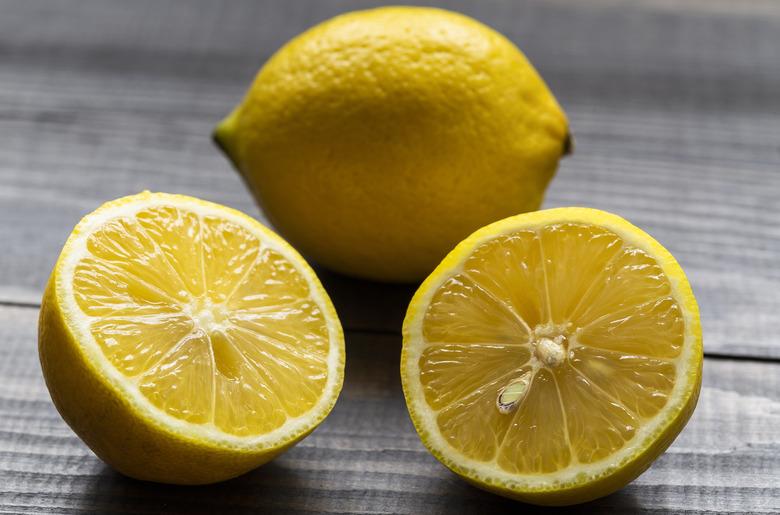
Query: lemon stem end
[(568, 144), (224, 136)]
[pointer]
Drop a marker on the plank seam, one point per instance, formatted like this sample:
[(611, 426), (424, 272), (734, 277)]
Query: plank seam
[(386, 332), (20, 304)]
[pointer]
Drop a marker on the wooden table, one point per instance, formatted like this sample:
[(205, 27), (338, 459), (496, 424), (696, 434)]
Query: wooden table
[(675, 107)]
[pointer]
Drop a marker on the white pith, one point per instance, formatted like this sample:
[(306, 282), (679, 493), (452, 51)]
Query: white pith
[(203, 316), (576, 473)]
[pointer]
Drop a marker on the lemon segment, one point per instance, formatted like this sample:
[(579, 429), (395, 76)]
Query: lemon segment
[(552, 356), (207, 333)]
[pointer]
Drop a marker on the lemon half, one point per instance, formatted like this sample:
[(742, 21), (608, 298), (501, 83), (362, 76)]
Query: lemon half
[(184, 342), (552, 356)]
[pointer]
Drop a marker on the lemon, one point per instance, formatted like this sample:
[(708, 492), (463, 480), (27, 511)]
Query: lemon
[(552, 356), (379, 139), (184, 342)]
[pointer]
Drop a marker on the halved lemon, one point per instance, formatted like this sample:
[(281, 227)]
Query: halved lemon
[(552, 356), (184, 342)]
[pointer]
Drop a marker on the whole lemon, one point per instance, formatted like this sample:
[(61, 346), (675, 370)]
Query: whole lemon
[(377, 140)]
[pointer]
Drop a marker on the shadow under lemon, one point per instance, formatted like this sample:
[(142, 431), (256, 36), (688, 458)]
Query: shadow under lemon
[(269, 489), (367, 306), (280, 487)]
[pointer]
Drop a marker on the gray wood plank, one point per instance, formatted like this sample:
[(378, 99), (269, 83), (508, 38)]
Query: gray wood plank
[(673, 109), (366, 457)]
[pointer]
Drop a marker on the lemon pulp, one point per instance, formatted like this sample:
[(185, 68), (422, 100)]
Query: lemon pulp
[(585, 323), (210, 324)]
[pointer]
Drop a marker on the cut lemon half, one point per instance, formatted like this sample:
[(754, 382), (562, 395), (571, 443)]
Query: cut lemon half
[(184, 342), (552, 356)]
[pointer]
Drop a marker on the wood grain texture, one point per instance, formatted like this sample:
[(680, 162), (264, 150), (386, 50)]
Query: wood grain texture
[(366, 457), (674, 111), (674, 107)]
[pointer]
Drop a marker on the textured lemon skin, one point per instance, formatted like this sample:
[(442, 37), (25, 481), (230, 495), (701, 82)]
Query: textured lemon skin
[(113, 427), (613, 478), (379, 139)]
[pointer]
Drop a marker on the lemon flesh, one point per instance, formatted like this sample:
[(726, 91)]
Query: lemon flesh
[(207, 331), (552, 356), (377, 140)]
